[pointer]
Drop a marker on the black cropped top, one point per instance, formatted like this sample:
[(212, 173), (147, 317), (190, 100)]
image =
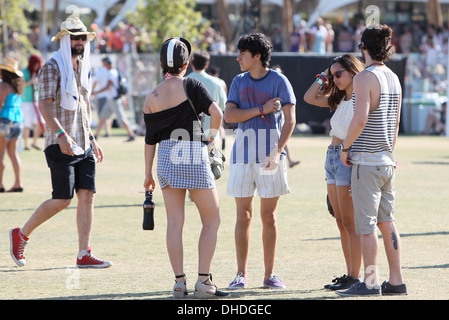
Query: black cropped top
[(179, 122)]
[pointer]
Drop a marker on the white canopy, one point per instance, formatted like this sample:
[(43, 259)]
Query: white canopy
[(325, 6), (101, 8)]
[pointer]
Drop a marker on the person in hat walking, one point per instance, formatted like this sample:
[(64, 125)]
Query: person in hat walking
[(183, 164), (70, 148), (12, 117)]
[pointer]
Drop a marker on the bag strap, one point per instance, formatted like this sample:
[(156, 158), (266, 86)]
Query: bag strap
[(184, 84)]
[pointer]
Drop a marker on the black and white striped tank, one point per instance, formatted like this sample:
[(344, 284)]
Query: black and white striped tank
[(374, 146)]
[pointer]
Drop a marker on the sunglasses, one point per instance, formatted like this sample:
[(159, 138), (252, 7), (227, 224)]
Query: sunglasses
[(359, 45), (78, 37), (337, 74)]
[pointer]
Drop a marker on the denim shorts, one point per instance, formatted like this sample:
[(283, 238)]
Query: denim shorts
[(16, 131), (336, 172)]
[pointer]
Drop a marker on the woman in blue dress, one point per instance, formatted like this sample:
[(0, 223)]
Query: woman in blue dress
[(10, 112)]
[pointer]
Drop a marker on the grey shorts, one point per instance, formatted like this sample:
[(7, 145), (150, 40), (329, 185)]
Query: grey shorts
[(111, 107), (373, 195)]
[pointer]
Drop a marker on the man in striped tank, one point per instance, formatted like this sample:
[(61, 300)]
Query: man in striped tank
[(369, 147)]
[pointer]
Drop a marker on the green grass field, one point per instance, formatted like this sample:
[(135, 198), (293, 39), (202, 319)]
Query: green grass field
[(309, 253)]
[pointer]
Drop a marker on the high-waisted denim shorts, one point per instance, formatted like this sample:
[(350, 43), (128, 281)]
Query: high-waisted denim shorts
[(336, 172)]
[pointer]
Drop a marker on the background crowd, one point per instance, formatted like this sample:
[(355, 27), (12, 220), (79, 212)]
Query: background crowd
[(322, 37)]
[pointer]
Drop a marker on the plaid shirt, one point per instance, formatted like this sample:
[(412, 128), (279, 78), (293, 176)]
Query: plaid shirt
[(76, 123)]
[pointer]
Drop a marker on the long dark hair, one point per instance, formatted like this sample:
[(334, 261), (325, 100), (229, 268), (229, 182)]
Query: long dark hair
[(13, 80), (352, 65)]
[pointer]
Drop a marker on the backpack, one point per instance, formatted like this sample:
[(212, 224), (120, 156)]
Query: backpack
[(122, 89)]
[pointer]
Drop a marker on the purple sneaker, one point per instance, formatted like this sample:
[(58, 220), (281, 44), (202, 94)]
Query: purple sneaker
[(238, 283), (274, 282)]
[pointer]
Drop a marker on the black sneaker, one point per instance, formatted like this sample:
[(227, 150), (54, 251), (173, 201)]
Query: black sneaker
[(390, 290), (335, 281), (360, 289), (345, 283)]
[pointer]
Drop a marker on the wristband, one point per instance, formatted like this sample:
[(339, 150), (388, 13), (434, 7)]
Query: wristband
[(262, 115), (212, 135), (321, 79), (63, 133), (60, 131), (91, 137)]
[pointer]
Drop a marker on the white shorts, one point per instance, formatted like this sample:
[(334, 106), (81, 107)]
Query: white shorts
[(30, 116), (245, 178)]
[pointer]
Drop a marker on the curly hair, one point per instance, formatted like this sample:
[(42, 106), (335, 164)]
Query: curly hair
[(256, 43), (351, 64), (377, 40)]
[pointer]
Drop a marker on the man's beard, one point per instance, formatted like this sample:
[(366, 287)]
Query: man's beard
[(78, 50)]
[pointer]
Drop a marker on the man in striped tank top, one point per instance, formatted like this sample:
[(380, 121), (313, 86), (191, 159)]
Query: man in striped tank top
[(369, 147)]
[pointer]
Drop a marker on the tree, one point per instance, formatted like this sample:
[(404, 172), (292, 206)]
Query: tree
[(163, 19), (287, 23), (226, 27), (14, 22)]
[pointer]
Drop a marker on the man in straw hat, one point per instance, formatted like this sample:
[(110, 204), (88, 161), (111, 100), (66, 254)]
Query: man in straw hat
[(70, 148)]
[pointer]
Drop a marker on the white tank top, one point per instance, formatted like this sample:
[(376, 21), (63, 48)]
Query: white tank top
[(374, 146), (341, 119)]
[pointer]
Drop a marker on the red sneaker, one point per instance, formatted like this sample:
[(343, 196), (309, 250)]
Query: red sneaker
[(90, 261), (18, 242)]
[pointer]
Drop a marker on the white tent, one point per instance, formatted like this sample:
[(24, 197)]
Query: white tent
[(100, 7), (325, 6)]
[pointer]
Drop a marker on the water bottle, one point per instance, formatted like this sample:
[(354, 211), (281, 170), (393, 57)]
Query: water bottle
[(148, 211)]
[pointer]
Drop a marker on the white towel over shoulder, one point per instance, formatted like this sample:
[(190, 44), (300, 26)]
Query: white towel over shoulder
[(69, 89)]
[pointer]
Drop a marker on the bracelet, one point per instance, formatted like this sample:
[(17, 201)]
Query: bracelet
[(91, 137), (322, 80), (342, 148), (63, 133), (262, 115), (212, 135), (60, 131)]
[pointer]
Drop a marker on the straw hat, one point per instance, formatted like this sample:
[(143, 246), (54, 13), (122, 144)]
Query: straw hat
[(11, 65), (75, 27)]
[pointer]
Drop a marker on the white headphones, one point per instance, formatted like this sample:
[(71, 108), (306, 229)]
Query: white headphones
[(170, 50)]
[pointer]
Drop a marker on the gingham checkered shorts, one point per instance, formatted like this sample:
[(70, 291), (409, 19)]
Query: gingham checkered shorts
[(184, 165)]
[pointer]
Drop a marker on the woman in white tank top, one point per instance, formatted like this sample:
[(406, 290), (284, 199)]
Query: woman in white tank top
[(333, 89)]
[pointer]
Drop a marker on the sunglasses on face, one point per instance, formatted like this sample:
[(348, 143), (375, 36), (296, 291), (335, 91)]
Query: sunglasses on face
[(337, 74), (78, 37)]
